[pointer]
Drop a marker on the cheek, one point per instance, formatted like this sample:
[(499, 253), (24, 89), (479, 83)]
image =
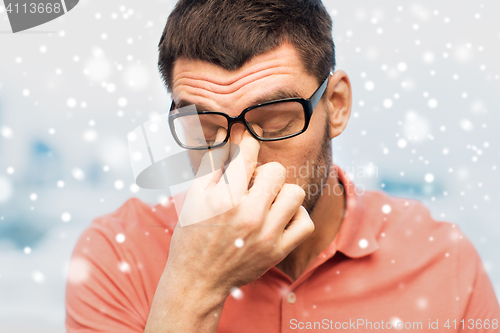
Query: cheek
[(195, 157), (292, 153), (298, 153), (318, 125)]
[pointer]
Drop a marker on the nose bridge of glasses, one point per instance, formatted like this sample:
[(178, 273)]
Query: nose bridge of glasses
[(236, 130), (238, 119)]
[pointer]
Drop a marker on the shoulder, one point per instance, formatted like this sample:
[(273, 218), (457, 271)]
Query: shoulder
[(115, 267), (436, 252), (133, 213), (415, 242), (406, 227), (135, 236), (133, 220), (406, 216)]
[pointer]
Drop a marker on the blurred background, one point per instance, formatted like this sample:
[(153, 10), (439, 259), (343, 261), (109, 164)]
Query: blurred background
[(424, 125)]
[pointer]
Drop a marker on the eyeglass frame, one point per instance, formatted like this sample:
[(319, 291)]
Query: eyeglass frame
[(308, 106)]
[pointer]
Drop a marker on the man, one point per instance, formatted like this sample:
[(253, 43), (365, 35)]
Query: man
[(294, 252)]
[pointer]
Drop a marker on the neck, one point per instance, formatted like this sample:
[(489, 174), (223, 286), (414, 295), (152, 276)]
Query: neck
[(327, 216)]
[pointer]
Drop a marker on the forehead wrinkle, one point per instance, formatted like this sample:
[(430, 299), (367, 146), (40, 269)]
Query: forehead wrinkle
[(198, 101), (222, 77), (282, 59), (229, 103), (201, 82), (236, 86), (197, 97), (285, 54)]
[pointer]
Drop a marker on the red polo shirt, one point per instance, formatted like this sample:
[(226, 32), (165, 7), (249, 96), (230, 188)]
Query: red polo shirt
[(390, 266)]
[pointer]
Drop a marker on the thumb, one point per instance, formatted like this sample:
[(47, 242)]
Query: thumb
[(299, 229)]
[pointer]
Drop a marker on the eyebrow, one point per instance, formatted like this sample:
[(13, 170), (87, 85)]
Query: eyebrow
[(277, 95), (280, 94), (183, 103)]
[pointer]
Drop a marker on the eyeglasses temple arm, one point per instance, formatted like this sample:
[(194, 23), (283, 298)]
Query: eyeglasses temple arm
[(318, 94)]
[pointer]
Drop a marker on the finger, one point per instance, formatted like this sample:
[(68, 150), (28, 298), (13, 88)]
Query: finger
[(235, 147), (210, 170), (284, 207), (243, 163), (300, 228), (268, 181)]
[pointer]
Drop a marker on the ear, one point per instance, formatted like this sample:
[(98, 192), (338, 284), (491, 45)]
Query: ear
[(339, 101)]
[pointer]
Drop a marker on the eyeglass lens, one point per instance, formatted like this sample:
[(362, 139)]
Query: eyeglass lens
[(277, 120)]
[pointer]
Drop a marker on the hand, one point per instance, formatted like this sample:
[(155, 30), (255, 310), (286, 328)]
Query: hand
[(221, 247), (210, 251)]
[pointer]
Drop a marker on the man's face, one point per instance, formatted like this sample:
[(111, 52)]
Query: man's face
[(266, 77)]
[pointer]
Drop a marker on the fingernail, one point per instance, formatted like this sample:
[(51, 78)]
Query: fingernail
[(257, 129)]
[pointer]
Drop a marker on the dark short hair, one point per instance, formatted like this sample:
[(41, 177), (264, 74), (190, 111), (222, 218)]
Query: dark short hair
[(229, 33)]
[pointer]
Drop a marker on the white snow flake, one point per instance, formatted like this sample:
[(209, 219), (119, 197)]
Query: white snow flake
[(236, 293), (363, 243), (134, 188), (78, 174), (429, 178), (90, 135), (122, 102), (5, 189), (6, 132), (79, 270), (66, 217), (71, 102), (402, 143), (120, 238), (466, 125), (369, 85), (432, 103), (124, 267), (388, 103), (38, 277), (422, 303), (395, 321), (119, 184)]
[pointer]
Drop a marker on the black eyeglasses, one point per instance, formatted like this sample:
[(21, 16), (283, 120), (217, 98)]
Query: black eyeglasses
[(279, 120)]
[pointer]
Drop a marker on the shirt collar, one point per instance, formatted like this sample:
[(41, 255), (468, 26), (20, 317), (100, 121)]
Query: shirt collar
[(356, 237)]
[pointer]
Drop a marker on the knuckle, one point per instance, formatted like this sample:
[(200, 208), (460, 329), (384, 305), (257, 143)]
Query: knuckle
[(299, 191), (215, 206), (276, 169), (275, 189), (251, 222), (251, 218), (217, 202), (249, 161), (310, 228), (267, 239), (294, 191)]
